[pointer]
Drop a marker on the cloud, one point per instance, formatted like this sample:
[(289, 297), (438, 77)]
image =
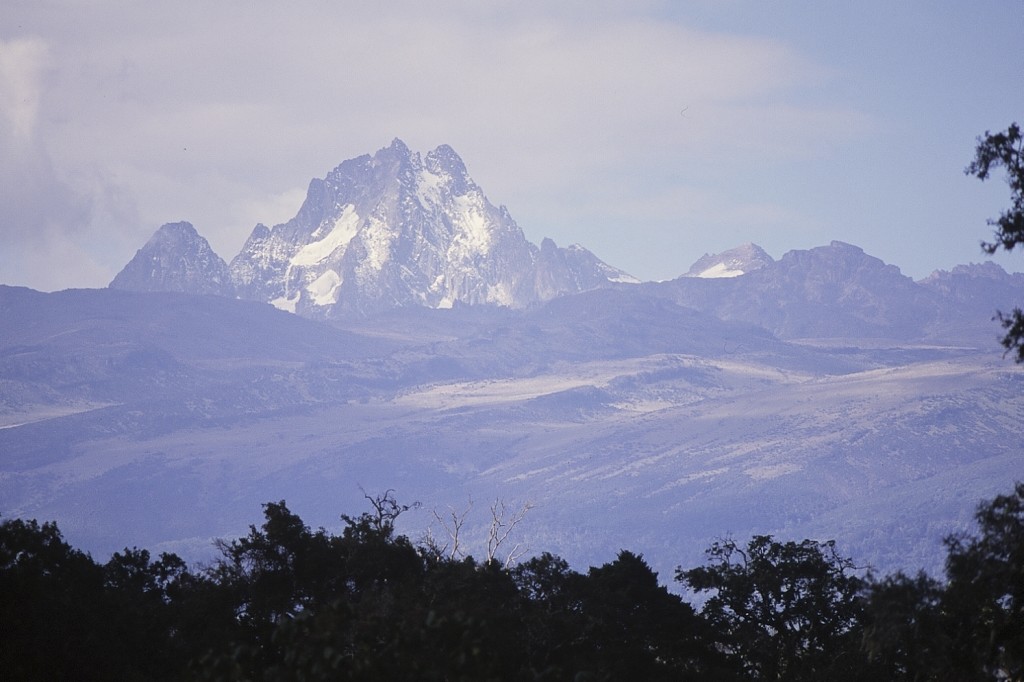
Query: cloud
[(21, 64), (41, 218), (37, 209), (52, 219), (534, 81), (274, 209), (203, 112)]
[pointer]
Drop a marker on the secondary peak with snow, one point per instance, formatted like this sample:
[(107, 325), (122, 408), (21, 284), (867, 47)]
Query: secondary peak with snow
[(731, 263)]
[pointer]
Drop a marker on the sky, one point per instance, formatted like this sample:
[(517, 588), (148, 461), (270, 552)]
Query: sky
[(651, 132)]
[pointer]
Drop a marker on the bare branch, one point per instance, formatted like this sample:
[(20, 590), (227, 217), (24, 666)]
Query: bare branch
[(514, 555), (431, 547), (452, 526), (500, 529)]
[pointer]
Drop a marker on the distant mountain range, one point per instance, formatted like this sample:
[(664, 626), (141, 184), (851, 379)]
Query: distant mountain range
[(435, 351), (840, 291), (397, 230)]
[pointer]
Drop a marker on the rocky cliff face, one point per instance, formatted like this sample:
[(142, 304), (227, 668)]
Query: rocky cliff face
[(397, 229), (176, 258)]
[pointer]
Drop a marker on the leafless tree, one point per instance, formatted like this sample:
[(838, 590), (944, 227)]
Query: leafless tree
[(503, 522), (452, 523)]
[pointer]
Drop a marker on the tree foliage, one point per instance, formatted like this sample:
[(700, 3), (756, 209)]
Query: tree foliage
[(971, 627), (782, 610), (1005, 150), (66, 617), (905, 630), (287, 602), (986, 589)]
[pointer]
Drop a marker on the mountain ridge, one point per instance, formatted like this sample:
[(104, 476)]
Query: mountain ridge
[(838, 290), (397, 229)]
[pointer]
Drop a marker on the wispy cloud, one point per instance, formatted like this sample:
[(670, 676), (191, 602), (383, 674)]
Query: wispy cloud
[(39, 211), (21, 64)]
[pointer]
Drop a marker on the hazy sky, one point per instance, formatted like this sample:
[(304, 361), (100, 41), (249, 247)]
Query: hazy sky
[(649, 132)]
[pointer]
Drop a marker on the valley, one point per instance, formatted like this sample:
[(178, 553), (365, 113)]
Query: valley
[(616, 435)]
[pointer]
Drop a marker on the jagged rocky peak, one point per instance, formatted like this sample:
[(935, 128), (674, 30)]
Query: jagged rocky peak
[(444, 161), (573, 269), (396, 229), (986, 270), (176, 258), (979, 286), (731, 263)]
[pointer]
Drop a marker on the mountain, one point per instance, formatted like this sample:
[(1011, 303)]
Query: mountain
[(731, 263), (572, 270), (833, 291), (397, 230), (163, 420), (176, 258), (984, 286)]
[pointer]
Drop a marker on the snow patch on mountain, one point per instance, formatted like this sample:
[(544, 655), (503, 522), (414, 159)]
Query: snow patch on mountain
[(719, 270), (474, 233), (286, 304), (324, 289), (345, 228), (428, 188)]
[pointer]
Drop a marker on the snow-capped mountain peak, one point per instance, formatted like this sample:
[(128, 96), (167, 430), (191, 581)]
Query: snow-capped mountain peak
[(731, 263), (397, 229), (379, 231)]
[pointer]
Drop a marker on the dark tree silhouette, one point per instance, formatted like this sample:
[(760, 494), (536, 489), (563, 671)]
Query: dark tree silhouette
[(286, 602), (906, 629), (637, 629), (1005, 150), (65, 617), (985, 594), (972, 626), (783, 610)]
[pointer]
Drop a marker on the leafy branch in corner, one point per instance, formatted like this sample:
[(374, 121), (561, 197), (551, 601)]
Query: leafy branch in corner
[(1005, 149)]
